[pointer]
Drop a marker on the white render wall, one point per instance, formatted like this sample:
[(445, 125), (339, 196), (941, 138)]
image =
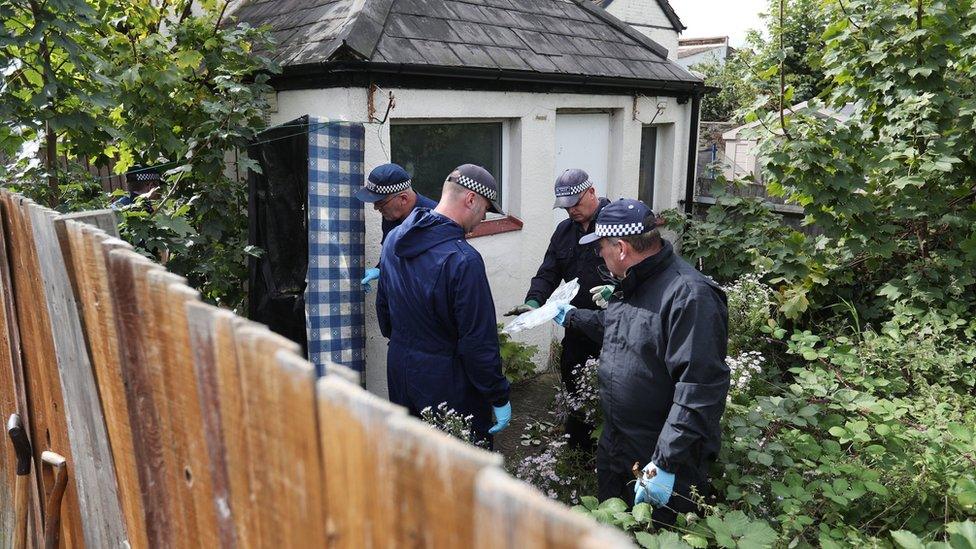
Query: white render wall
[(718, 54), (647, 17), (512, 258)]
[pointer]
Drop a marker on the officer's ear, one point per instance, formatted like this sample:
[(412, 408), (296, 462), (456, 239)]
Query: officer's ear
[(626, 250)]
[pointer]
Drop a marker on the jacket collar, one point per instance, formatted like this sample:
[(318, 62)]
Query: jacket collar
[(646, 269)]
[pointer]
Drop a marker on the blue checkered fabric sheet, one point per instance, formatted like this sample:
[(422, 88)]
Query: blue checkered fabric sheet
[(334, 299)]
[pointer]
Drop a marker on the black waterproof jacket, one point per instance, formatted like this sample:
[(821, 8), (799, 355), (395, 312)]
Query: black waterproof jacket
[(663, 377), (565, 260)]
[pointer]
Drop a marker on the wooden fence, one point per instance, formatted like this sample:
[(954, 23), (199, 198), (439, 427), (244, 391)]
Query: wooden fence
[(183, 425)]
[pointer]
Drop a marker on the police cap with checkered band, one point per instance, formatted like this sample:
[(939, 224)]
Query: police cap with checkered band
[(385, 180), (570, 187), (479, 180), (142, 175), (625, 217)]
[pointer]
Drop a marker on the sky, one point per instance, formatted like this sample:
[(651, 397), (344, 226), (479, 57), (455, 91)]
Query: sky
[(730, 18)]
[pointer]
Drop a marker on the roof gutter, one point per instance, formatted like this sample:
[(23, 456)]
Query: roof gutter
[(316, 75)]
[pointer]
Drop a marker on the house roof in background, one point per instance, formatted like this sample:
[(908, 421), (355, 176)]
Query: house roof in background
[(695, 50), (665, 7), (693, 46), (543, 37), (704, 41)]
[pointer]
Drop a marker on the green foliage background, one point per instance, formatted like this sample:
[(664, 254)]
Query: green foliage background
[(749, 80), (174, 85), (859, 428)]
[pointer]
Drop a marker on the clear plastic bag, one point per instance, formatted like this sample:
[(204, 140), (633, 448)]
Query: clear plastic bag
[(563, 295)]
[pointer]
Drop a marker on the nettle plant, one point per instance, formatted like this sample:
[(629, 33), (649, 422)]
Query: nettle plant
[(517, 357)]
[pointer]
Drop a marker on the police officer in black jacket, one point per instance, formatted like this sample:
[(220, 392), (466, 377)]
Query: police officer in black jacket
[(663, 377), (565, 260)]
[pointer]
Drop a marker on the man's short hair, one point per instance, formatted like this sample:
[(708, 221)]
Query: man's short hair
[(646, 240), (452, 188)]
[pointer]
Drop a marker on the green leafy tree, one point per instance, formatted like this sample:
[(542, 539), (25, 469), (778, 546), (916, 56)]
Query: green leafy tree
[(54, 90), (736, 89), (173, 85), (892, 186), (792, 47), (781, 61)]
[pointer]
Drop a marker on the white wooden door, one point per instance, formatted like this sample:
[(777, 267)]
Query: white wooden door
[(583, 141)]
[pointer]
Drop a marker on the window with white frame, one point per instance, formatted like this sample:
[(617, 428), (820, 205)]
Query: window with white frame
[(429, 150)]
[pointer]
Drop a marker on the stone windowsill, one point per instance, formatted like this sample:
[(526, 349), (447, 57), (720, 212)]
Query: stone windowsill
[(500, 225)]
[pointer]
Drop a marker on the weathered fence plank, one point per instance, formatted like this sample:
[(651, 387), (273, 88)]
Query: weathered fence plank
[(12, 395), (432, 468), (140, 365), (100, 219), (354, 434), (235, 436), (46, 404), (94, 474), (90, 252), (202, 325), (298, 461), (511, 514), (188, 448), (257, 348)]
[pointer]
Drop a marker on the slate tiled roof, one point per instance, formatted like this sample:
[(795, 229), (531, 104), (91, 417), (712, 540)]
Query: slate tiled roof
[(551, 37)]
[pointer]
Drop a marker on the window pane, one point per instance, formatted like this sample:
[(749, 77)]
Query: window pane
[(648, 157), (429, 152)]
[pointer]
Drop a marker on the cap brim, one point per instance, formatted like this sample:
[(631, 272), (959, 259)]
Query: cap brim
[(592, 237), (369, 196), (567, 201), (495, 207)]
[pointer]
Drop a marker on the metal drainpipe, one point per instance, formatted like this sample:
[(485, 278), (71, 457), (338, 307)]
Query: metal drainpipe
[(692, 152)]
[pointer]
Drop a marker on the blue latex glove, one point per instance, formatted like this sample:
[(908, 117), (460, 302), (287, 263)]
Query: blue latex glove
[(560, 317), (371, 274), (657, 490), (503, 415)]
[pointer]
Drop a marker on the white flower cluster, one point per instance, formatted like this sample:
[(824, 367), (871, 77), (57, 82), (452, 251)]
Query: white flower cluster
[(540, 470), (451, 422), (749, 293), (742, 369), (585, 401)]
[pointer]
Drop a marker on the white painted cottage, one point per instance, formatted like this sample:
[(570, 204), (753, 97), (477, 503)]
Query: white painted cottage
[(525, 88), (656, 19)]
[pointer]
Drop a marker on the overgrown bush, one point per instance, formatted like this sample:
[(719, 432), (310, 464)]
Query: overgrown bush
[(734, 234), (858, 438)]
